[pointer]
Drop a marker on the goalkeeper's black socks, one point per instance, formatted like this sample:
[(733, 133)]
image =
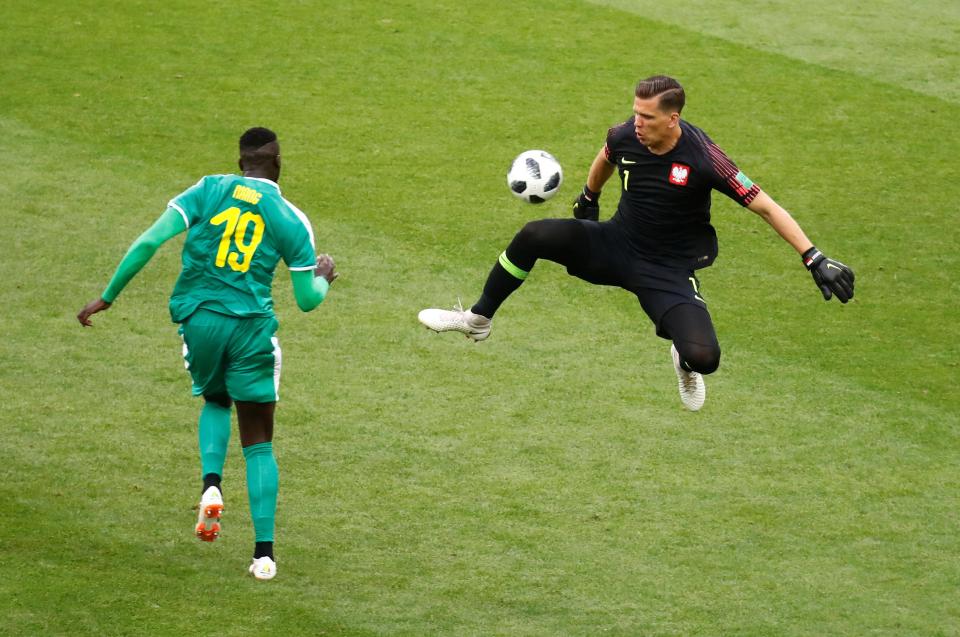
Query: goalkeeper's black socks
[(263, 549), (500, 284), (211, 480)]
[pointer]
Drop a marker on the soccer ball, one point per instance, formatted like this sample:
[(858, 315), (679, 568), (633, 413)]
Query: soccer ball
[(535, 176)]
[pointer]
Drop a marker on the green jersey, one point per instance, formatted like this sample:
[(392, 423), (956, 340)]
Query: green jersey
[(238, 228)]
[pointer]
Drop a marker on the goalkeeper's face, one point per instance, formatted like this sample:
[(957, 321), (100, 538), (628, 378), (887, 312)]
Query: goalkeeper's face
[(654, 128)]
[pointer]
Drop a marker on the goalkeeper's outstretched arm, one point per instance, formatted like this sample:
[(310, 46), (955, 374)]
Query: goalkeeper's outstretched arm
[(832, 277), (781, 221)]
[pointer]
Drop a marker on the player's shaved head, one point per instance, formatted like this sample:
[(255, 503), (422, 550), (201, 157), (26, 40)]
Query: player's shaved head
[(260, 153), (672, 97)]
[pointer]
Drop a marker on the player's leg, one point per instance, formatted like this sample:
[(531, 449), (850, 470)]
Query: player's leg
[(564, 241), (263, 480), (694, 350), (691, 330), (253, 378), (205, 335), (672, 299), (213, 434)]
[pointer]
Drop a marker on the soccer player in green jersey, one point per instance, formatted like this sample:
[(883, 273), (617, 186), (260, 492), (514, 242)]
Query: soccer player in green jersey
[(238, 228)]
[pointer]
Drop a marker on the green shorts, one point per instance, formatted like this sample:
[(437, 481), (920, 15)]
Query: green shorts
[(239, 357)]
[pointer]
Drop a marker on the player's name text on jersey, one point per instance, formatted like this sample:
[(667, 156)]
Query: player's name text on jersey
[(243, 193)]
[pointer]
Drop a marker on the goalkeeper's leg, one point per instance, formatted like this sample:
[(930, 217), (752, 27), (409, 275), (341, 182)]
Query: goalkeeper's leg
[(691, 329), (694, 350), (563, 241)]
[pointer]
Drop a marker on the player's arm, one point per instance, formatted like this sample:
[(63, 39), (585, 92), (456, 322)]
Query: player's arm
[(832, 277), (587, 204), (781, 221), (310, 287), (170, 224), (600, 171)]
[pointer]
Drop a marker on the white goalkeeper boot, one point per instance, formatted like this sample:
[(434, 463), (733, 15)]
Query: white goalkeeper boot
[(263, 568), (472, 325), (208, 519), (693, 391)]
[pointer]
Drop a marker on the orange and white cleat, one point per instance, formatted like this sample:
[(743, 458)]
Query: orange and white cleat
[(208, 519)]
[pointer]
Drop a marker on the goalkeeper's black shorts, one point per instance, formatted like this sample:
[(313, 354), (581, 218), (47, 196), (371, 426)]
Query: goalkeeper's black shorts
[(612, 260)]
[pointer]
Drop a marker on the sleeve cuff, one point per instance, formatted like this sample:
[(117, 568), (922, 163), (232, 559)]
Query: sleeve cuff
[(811, 256), (323, 285)]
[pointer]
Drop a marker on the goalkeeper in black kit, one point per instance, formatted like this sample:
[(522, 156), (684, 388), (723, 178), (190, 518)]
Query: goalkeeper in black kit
[(656, 241)]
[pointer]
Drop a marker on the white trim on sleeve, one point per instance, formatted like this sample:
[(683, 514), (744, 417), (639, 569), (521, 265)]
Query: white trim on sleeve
[(186, 219)]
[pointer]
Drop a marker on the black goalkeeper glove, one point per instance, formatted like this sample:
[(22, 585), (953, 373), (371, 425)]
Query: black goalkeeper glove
[(587, 205), (832, 277)]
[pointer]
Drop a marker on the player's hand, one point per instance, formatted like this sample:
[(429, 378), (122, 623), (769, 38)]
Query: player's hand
[(832, 277), (91, 308), (587, 205), (326, 268)]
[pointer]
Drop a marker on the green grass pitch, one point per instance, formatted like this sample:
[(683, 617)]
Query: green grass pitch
[(547, 481)]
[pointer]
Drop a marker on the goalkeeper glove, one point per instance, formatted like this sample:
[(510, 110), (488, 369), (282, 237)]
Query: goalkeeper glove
[(587, 205), (832, 277)]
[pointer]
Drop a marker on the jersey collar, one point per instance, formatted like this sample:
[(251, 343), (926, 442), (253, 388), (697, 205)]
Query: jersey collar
[(266, 181)]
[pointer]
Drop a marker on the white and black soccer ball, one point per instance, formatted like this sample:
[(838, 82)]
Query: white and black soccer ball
[(535, 176)]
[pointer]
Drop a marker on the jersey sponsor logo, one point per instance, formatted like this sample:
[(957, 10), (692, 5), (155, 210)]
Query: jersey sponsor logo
[(679, 174), (626, 162), (243, 193)]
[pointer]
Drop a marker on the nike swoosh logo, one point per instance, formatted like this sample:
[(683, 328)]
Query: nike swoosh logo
[(626, 161), (830, 265)]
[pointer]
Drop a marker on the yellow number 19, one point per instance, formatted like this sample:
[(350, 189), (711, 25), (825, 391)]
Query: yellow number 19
[(236, 229)]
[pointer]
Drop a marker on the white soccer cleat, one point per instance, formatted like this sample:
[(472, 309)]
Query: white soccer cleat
[(263, 568), (208, 519), (693, 391), (472, 325)]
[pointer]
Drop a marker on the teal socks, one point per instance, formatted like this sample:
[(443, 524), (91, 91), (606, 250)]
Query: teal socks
[(263, 477), (263, 480), (214, 435)]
